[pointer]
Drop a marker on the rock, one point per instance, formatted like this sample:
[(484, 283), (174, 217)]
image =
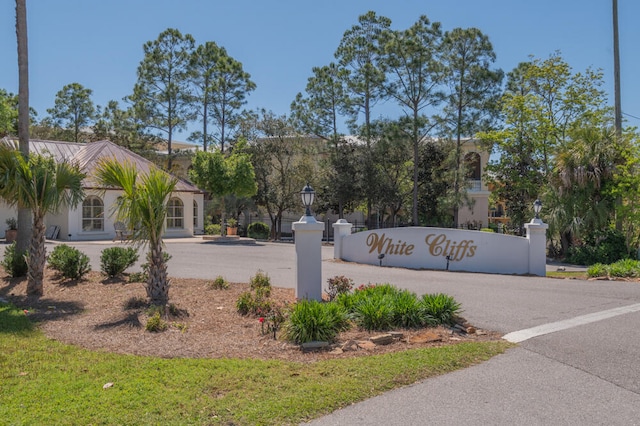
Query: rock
[(312, 346), (350, 345), (426, 337), (336, 351), (382, 339), (460, 328), (366, 345), (397, 335), (481, 332), (471, 330)]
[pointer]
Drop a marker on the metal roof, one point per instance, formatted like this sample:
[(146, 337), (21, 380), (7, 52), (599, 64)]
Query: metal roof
[(88, 155)]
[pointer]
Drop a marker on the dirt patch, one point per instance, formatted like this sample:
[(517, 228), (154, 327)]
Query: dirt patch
[(109, 314)]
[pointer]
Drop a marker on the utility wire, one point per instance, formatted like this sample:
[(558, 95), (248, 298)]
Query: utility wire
[(632, 116)]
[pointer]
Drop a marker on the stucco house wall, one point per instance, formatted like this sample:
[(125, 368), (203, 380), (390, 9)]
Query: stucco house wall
[(94, 220)]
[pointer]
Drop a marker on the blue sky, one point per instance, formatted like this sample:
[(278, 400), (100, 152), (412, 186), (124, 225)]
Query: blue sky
[(99, 43)]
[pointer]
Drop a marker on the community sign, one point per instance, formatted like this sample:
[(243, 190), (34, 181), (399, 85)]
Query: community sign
[(439, 248)]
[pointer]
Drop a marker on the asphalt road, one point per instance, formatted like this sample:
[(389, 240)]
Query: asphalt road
[(586, 373)]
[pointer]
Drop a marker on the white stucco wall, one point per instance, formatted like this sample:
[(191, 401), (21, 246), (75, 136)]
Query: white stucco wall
[(70, 220), (478, 212)]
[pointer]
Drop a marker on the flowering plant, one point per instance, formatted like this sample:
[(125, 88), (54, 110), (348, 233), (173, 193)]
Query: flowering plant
[(274, 320)]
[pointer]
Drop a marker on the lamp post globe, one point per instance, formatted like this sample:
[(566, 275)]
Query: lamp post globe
[(308, 195), (537, 207)]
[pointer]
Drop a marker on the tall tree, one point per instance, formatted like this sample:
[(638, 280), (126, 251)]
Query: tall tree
[(161, 96), (564, 101), (24, 214), (318, 113), (222, 86), (8, 113), (42, 186), (121, 127), (224, 175), (394, 167), (474, 89), (434, 183), (582, 183), (73, 109), (411, 59), (544, 105), (144, 201), (517, 172), (281, 160), (359, 52)]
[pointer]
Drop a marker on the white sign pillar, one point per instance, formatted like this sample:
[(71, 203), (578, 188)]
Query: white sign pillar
[(537, 236), (308, 239), (341, 229)]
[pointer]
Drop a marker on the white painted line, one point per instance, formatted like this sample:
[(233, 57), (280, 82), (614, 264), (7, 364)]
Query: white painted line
[(526, 334)]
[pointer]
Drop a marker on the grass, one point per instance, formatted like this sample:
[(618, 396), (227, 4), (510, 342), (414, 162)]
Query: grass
[(46, 382), (576, 275)]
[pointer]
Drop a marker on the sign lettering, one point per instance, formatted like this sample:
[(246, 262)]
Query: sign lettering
[(382, 244), (439, 245)]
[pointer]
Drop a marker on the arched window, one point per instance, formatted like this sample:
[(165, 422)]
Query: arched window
[(175, 214), (195, 214), (474, 168), (92, 214)]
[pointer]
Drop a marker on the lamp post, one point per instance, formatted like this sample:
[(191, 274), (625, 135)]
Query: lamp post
[(308, 250), (308, 195), (537, 207), (537, 236)]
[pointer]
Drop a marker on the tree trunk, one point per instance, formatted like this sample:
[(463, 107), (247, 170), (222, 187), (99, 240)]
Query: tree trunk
[(37, 257), (24, 215), (158, 281)]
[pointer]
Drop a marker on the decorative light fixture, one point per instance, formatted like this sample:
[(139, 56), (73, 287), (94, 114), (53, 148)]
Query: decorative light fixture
[(537, 206), (308, 195)]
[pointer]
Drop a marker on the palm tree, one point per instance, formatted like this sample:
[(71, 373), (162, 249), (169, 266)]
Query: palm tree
[(143, 203), (42, 186), (23, 111)]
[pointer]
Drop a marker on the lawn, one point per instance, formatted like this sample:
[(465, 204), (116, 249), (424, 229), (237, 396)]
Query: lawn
[(46, 382)]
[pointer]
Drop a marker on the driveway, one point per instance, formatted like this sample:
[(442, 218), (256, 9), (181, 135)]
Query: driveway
[(576, 361)]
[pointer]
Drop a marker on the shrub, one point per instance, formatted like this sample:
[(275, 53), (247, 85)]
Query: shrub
[(138, 277), (212, 229), (155, 323), (258, 230), (374, 312), (250, 304), (338, 285), (14, 263), (441, 307), (310, 320), (219, 283), (114, 260), (624, 268), (407, 312), (260, 279), (606, 247), (69, 262), (597, 270), (244, 304)]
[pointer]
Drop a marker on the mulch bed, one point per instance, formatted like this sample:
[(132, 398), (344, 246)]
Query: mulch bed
[(98, 313)]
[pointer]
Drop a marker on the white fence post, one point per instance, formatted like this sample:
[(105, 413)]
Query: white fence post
[(537, 236), (308, 241), (341, 229)]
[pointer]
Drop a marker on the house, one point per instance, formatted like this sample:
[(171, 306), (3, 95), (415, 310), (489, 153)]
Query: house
[(92, 219), (477, 212)]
